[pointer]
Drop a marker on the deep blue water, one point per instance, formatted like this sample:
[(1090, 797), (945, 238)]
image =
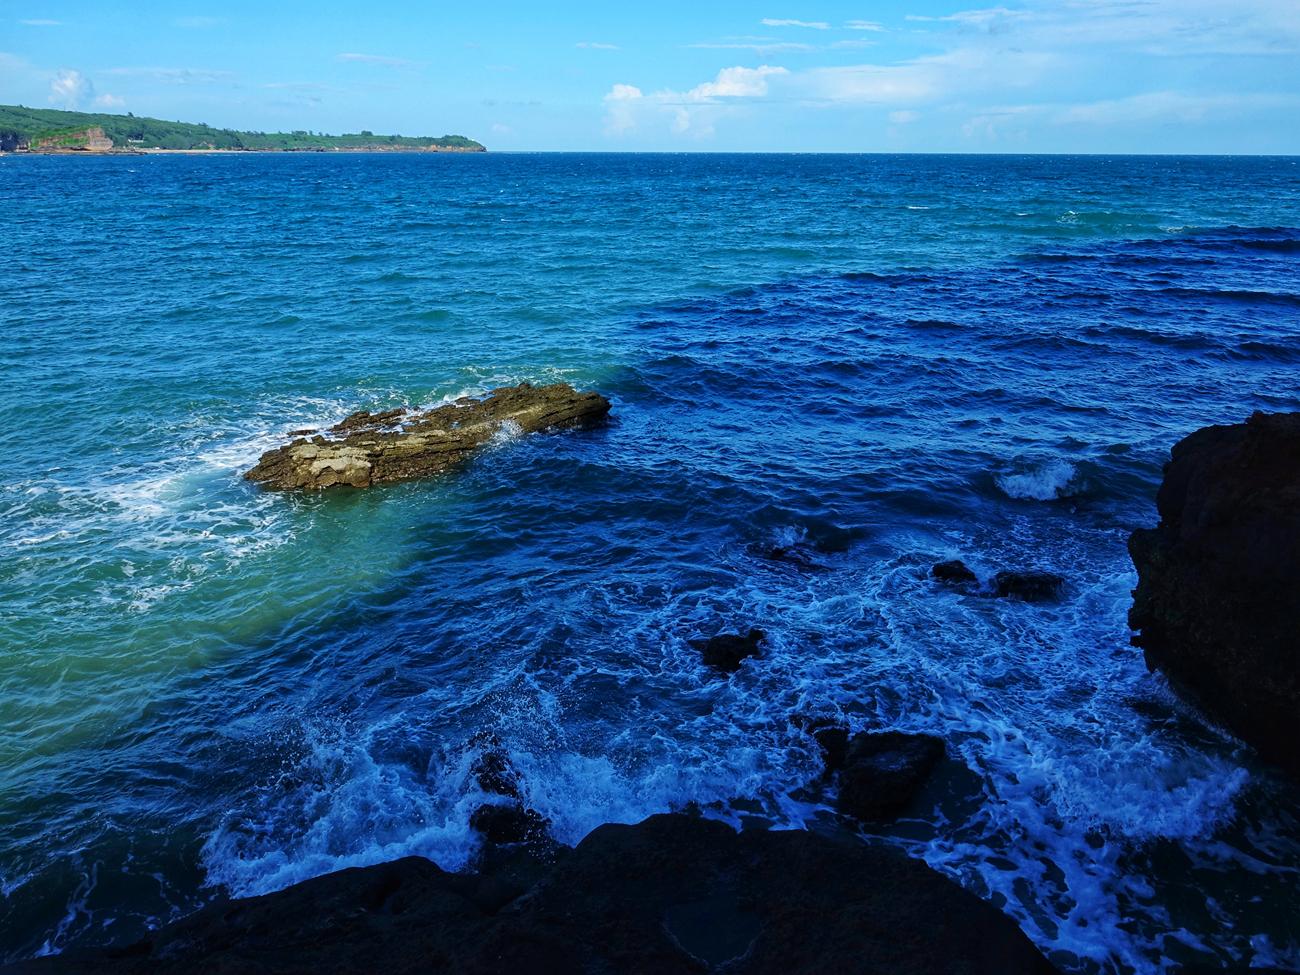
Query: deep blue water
[(888, 359)]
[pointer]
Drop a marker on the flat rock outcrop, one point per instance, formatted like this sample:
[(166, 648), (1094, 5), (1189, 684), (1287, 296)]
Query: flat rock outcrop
[(1217, 606), (674, 894), (399, 445)]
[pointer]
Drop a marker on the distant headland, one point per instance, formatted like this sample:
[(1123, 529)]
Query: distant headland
[(42, 130)]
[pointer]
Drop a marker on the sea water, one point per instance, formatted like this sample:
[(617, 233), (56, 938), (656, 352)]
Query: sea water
[(881, 361)]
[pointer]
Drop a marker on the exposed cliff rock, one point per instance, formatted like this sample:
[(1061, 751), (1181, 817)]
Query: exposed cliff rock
[(1217, 606), (674, 894), (398, 445)]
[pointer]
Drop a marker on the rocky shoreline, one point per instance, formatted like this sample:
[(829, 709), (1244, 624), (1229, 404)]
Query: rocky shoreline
[(673, 894)]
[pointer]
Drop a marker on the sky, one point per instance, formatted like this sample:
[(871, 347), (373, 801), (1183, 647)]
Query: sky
[(1106, 76)]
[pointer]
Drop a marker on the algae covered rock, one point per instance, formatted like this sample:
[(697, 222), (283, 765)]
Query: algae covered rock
[(399, 445)]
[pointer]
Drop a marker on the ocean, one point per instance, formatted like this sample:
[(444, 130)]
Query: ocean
[(873, 362)]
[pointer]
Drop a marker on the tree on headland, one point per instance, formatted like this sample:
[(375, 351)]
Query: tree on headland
[(20, 126)]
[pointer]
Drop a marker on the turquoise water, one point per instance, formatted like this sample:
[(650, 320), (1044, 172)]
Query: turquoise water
[(888, 359)]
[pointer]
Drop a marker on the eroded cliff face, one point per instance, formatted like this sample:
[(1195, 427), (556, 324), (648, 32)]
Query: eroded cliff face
[(397, 445), (1217, 606)]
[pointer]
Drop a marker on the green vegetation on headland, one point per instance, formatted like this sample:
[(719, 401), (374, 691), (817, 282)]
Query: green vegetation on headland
[(48, 130)]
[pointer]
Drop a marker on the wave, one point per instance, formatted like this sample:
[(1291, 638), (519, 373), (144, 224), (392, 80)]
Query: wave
[(1048, 480)]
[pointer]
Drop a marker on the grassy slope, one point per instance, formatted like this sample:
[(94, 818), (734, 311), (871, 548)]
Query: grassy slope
[(33, 123)]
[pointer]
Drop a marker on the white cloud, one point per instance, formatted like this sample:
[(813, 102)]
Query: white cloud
[(499, 129), (71, 88), (1144, 110), (1062, 53), (810, 24), (1167, 106), (109, 101), (997, 123), (760, 46), (300, 86), (867, 84), (597, 46), (41, 23), (694, 111), (174, 76), (380, 59), (1153, 27), (736, 83), (620, 108)]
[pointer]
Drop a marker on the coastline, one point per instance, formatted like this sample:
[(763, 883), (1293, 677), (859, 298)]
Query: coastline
[(79, 151)]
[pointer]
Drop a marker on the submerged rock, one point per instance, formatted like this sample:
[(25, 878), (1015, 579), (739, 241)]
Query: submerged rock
[(954, 572), (1030, 585), (670, 896), (800, 555), (726, 650), (397, 445), (883, 771), (1217, 605)]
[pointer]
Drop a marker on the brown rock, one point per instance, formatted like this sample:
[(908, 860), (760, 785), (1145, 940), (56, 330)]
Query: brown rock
[(398, 445)]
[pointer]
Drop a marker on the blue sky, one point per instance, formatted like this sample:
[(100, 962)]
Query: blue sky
[(937, 75)]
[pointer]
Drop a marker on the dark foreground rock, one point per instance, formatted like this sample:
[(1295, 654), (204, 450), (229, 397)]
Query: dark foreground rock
[(726, 650), (398, 445), (1217, 606), (675, 894), (883, 771), (509, 823)]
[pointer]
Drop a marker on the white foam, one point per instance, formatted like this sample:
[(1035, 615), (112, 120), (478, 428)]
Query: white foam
[(1045, 481), (507, 432)]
